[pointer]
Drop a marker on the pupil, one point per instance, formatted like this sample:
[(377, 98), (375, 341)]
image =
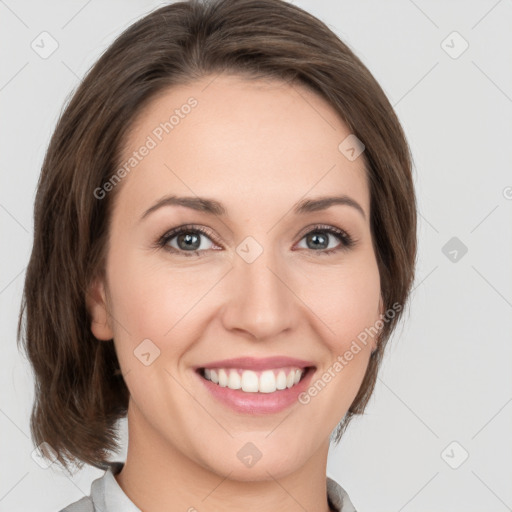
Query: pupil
[(316, 237), (188, 239)]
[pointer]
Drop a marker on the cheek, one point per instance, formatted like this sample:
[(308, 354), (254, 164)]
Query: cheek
[(346, 301), (153, 299), (348, 308)]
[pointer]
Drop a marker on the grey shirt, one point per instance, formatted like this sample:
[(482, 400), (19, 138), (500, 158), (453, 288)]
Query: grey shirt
[(107, 496)]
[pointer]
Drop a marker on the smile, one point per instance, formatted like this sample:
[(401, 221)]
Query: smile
[(250, 381)]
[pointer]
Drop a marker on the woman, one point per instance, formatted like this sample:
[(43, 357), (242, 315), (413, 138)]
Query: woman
[(224, 240)]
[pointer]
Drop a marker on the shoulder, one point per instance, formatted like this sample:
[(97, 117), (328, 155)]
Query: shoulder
[(83, 505), (338, 497), (105, 494)]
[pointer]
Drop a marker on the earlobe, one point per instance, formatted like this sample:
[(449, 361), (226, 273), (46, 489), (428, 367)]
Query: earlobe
[(97, 307)]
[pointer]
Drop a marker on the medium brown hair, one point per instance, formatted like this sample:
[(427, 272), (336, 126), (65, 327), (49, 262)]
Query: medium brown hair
[(79, 391)]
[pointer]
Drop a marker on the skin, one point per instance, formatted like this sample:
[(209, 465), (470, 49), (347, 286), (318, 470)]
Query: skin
[(257, 147)]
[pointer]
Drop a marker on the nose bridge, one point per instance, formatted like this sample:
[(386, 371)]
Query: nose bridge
[(262, 304)]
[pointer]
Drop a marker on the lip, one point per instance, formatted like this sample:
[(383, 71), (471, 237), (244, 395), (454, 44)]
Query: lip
[(253, 363), (258, 403)]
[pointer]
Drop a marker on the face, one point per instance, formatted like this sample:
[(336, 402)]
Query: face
[(257, 288)]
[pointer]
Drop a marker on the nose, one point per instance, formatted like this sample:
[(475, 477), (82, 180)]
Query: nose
[(261, 301)]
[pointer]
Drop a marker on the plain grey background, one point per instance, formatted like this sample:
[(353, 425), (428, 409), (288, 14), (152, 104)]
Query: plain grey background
[(437, 433)]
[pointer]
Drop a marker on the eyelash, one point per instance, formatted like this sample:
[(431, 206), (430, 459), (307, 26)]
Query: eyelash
[(347, 242)]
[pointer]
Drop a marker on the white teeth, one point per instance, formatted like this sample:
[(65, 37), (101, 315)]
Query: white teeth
[(249, 381), (281, 380), (223, 378), (234, 381), (289, 379), (267, 381)]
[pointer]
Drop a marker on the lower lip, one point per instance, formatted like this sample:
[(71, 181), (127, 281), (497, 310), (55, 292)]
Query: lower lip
[(258, 403)]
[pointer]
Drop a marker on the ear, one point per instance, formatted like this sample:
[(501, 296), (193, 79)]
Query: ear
[(97, 307)]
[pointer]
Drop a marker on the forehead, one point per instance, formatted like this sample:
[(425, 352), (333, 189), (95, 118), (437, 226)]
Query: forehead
[(244, 140)]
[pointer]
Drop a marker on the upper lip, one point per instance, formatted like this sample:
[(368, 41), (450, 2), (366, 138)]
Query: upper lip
[(253, 363)]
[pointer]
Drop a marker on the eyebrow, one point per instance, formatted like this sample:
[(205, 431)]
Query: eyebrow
[(213, 207)]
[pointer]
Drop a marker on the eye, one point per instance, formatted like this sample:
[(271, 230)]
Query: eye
[(186, 240), (317, 239)]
